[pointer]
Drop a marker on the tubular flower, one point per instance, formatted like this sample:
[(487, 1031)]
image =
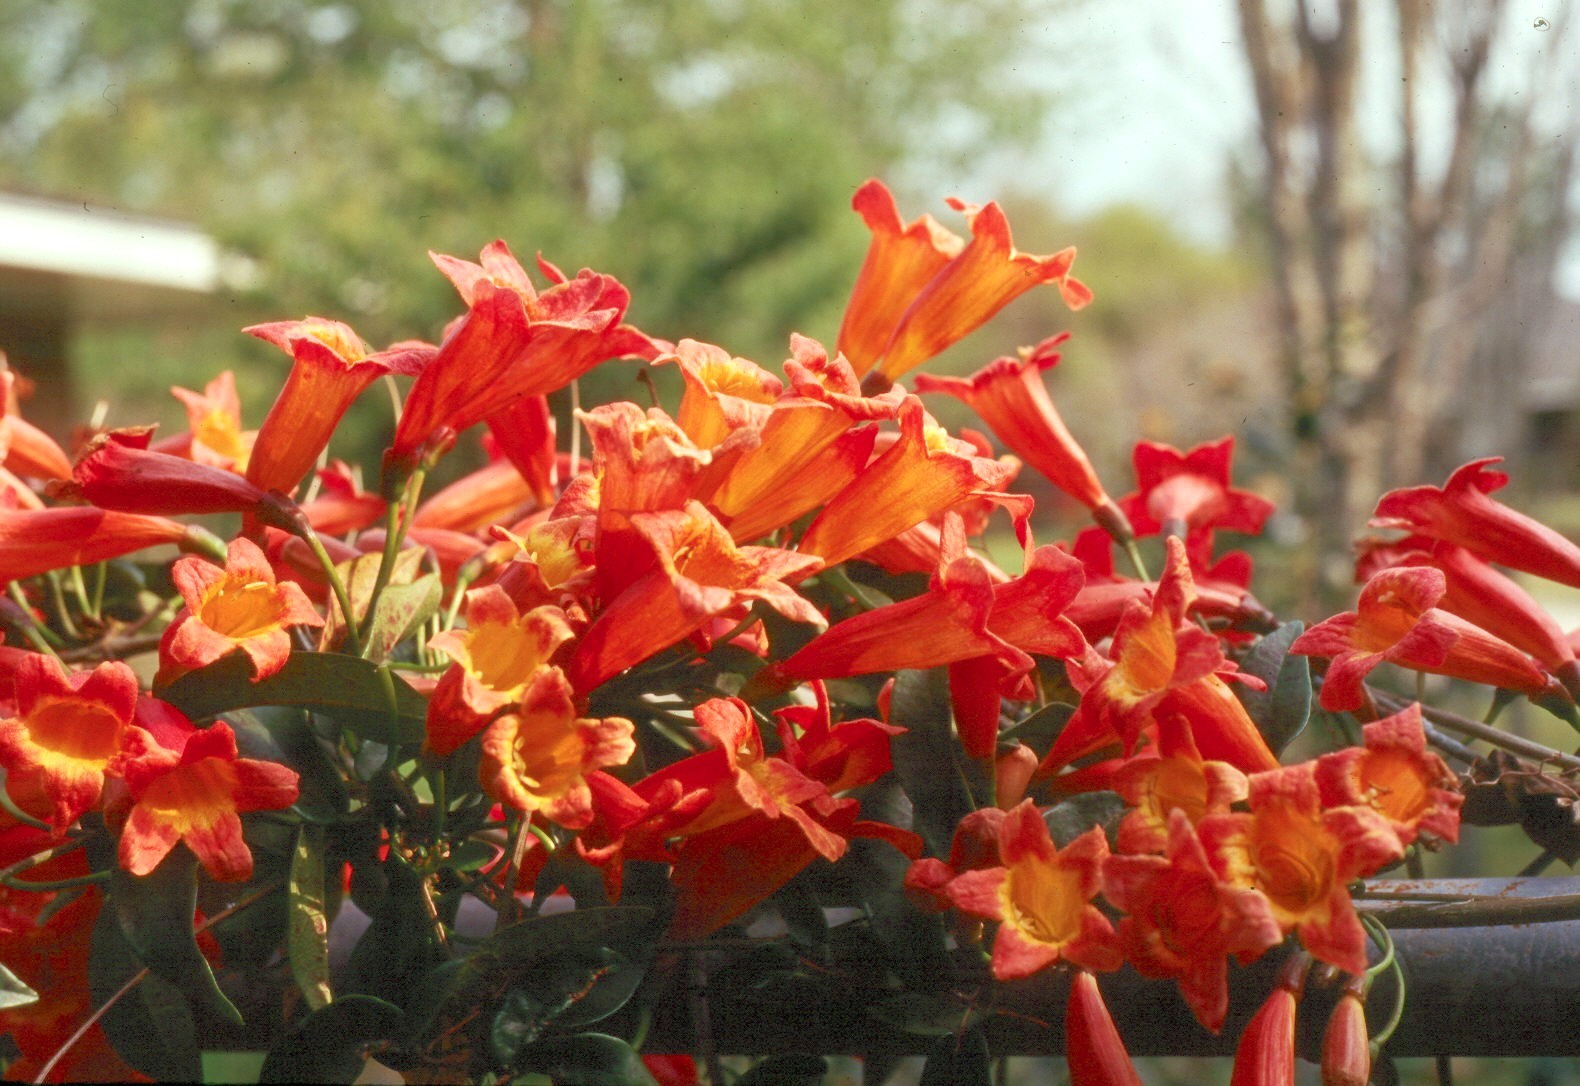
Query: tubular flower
[(646, 464), (512, 342), (984, 277), (921, 475), (48, 944), (24, 448), (1042, 898), (194, 792), (118, 471), (695, 573), (1183, 919), (947, 623), (341, 507), (1154, 650), (1092, 1044), (1009, 395), (34, 541), (331, 366), (493, 493), (1174, 778), (747, 822), (811, 444), (240, 606), (1397, 620), (66, 732), (1303, 856), (537, 758), (1180, 493), (1461, 512), (214, 435), (1395, 775), (1265, 1055), (973, 847), (902, 258), (523, 433), (1481, 595), (550, 562), (496, 657), (723, 393)]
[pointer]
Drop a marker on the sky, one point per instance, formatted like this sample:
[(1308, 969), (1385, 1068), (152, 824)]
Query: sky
[(1156, 98)]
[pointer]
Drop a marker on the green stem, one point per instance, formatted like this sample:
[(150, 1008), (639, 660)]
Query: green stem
[(43, 857), (441, 800), (10, 807), (1382, 1035), (40, 637), (837, 577), (56, 884), (79, 589), (1384, 940), (101, 577), (397, 518), (336, 585), (1133, 552)]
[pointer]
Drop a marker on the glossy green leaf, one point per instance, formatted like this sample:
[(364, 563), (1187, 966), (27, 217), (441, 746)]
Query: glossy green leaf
[(588, 1059), (327, 1047), (149, 1025), (344, 687), (13, 992), (155, 912), (961, 1060), (789, 1069), (1282, 710), (307, 931)]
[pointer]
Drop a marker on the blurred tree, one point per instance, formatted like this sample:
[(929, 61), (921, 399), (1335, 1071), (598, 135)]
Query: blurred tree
[(702, 150), (1379, 262)]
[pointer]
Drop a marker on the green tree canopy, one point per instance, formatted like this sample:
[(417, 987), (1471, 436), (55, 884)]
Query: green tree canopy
[(702, 151)]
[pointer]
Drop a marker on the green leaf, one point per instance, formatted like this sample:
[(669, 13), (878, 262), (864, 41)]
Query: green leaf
[(283, 734), (402, 608), (150, 1026), (359, 575), (13, 992), (802, 912), (307, 931), (344, 687), (155, 913), (926, 756), (789, 1069), (1074, 816), (958, 1061), (588, 1059), (327, 1047), (1041, 728), (935, 1014), (1282, 710)]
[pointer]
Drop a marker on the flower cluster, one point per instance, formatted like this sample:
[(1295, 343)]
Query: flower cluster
[(669, 685)]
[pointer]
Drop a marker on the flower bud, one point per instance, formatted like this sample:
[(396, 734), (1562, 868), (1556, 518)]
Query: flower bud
[(1092, 1045), (1346, 1048)]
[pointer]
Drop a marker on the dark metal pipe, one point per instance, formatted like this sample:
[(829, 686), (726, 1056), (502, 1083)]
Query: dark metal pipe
[(1476, 986)]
